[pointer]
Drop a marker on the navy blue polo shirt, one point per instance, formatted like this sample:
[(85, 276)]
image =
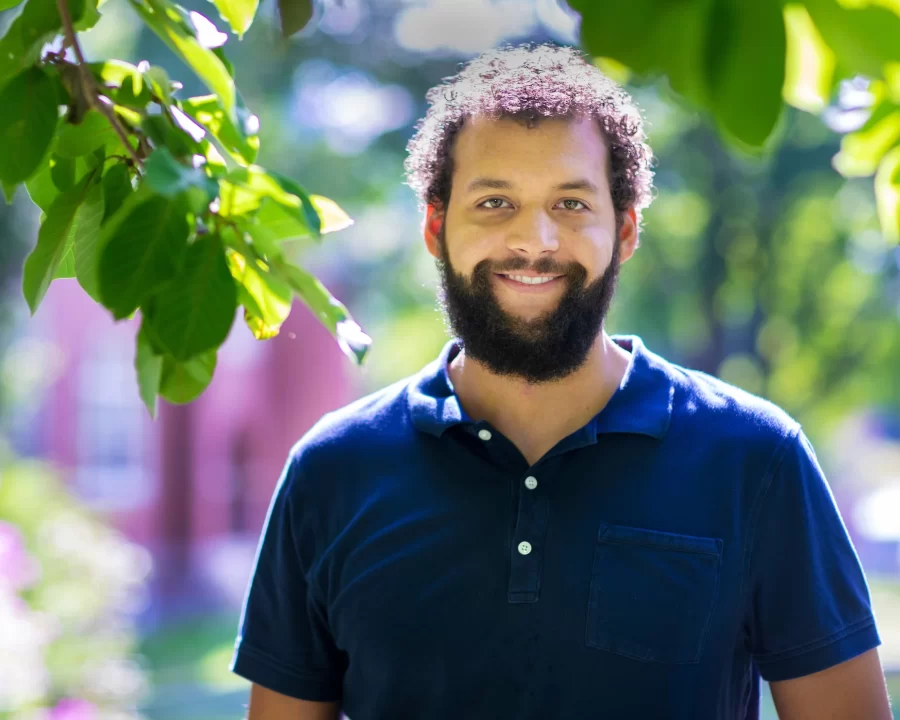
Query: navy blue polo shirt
[(653, 564)]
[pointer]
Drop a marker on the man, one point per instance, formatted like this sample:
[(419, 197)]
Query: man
[(549, 522)]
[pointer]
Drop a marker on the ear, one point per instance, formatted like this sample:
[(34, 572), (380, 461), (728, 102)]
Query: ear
[(434, 220), (628, 236)]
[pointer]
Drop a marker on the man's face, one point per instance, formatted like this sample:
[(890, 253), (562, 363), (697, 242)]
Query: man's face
[(496, 237)]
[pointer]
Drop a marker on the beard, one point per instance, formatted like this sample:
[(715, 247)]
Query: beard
[(540, 350)]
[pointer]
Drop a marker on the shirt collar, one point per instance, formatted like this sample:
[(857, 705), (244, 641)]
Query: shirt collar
[(642, 403)]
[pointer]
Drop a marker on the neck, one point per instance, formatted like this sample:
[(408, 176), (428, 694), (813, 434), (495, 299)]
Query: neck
[(512, 404)]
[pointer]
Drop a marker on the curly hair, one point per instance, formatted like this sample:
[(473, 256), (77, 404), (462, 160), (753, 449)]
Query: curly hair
[(527, 82)]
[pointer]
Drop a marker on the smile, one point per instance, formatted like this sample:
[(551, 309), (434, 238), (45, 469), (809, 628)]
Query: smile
[(528, 282)]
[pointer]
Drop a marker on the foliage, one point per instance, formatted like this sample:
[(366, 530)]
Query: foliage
[(69, 586), (154, 202), (740, 60)]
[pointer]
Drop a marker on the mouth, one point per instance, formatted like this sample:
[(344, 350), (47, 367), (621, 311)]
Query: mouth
[(530, 283)]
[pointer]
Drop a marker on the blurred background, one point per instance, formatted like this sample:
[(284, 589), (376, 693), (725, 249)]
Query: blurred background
[(126, 543)]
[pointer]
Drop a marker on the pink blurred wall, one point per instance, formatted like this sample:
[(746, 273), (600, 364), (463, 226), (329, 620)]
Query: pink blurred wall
[(208, 468)]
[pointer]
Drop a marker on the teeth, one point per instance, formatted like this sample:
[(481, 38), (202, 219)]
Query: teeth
[(530, 280)]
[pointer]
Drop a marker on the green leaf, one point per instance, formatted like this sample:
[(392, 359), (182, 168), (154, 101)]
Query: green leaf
[(183, 382), (40, 186), (7, 4), (66, 267), (37, 24), (62, 171), (649, 36), (140, 248), (237, 13), (159, 82), (122, 82), (810, 64), (84, 245), (746, 97), (862, 151), (89, 17), (116, 188), (308, 210), (863, 38), (266, 297), (148, 366), (168, 177), (167, 20), (54, 238), (28, 116), (294, 15), (887, 194), (195, 311), (163, 133), (281, 224), (329, 310), (9, 191), (94, 131), (240, 138), (244, 188)]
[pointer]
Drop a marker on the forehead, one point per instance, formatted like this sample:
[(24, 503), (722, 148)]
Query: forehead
[(507, 148)]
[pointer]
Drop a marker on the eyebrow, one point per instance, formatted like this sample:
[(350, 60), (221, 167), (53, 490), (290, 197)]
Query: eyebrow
[(483, 183)]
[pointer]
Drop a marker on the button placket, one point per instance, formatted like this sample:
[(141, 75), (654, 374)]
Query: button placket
[(527, 551)]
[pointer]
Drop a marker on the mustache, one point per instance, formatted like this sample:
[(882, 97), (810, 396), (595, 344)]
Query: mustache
[(544, 266)]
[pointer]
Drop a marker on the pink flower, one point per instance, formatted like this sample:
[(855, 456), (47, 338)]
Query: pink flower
[(17, 568), (73, 709)]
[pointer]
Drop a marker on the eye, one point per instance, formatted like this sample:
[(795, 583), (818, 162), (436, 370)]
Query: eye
[(571, 200), (490, 200)]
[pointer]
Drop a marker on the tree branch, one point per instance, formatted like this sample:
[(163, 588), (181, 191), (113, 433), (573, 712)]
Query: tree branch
[(88, 86)]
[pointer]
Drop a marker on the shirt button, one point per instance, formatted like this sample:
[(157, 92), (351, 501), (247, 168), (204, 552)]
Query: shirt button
[(531, 483), (524, 547), (484, 434)]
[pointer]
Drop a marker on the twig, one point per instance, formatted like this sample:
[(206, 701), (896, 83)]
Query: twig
[(89, 88)]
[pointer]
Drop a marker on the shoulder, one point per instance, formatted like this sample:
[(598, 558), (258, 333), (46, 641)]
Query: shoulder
[(371, 424), (728, 416)]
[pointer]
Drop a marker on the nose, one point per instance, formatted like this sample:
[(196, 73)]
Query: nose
[(533, 233)]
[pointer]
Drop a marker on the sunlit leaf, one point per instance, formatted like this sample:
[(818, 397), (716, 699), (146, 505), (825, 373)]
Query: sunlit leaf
[(864, 38), (862, 151), (237, 13), (28, 117), (332, 217), (328, 309), (810, 63), (887, 194), (239, 138), (266, 297), (159, 82), (169, 22), (196, 310)]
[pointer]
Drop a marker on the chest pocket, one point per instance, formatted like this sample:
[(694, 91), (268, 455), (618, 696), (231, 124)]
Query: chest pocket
[(652, 593)]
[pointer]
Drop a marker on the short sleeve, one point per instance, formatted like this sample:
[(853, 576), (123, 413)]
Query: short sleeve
[(809, 605), (284, 643)]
